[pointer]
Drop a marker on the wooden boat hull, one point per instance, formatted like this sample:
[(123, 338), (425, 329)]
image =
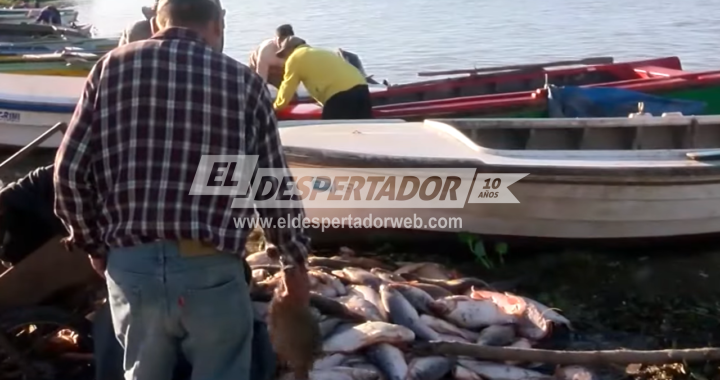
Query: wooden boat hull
[(578, 192)]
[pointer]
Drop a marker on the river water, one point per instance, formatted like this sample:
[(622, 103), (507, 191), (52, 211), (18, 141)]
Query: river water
[(398, 38)]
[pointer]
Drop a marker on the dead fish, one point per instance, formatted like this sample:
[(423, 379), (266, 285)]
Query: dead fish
[(390, 360), (260, 275), (329, 361), (433, 290), (418, 298), (371, 296), (462, 373), (331, 307), (337, 373), (367, 334), (330, 281), (272, 268), (353, 360), (574, 372), (367, 263), (469, 313), (549, 313), (496, 335), (429, 368), (324, 290), (294, 333), (447, 328), (359, 276), (521, 343), (511, 304), (454, 286), (433, 271), (362, 306), (533, 324), (496, 371), (403, 313), (386, 275), (260, 258), (328, 325)]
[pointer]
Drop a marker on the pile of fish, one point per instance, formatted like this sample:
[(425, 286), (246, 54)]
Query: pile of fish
[(370, 311)]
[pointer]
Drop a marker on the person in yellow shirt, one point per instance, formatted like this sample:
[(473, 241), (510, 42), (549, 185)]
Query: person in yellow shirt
[(333, 82)]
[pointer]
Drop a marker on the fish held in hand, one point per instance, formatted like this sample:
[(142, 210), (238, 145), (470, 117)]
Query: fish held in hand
[(261, 258), (429, 368), (403, 313), (294, 333), (390, 360), (470, 313), (367, 334)]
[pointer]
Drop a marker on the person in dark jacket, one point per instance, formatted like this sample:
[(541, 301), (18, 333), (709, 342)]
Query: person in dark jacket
[(50, 15), (28, 221)]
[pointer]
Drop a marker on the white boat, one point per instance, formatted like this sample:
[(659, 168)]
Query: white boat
[(30, 104), (589, 178)]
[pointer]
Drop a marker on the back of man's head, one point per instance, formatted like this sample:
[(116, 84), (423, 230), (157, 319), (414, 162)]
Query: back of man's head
[(203, 16), (284, 31), (188, 13)]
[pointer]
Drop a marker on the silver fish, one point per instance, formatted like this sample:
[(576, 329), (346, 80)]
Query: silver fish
[(324, 290), (328, 325), (371, 296), (462, 373), (496, 335), (367, 334), (362, 306), (469, 313), (359, 276), (402, 313), (549, 313), (329, 361), (390, 360), (418, 298), (429, 368), (337, 373), (533, 324), (387, 275), (496, 371), (444, 327), (331, 281)]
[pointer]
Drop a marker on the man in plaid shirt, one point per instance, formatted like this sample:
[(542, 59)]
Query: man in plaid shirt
[(150, 110)]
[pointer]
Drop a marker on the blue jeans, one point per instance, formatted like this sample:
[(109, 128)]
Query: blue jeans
[(164, 305)]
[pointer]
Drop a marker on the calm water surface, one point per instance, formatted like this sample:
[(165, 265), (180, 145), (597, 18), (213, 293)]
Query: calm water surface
[(398, 38)]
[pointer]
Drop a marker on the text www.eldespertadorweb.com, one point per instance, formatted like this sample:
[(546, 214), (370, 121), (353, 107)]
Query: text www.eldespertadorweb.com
[(413, 222)]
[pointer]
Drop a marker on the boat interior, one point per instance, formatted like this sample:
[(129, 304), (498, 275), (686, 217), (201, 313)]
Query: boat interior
[(643, 133), (527, 79)]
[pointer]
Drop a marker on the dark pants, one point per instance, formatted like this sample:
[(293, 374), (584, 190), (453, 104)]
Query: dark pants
[(352, 104)]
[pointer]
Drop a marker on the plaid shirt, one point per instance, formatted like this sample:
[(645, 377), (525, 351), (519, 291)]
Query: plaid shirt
[(149, 111)]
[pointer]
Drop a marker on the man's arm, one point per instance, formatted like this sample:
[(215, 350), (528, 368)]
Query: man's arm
[(289, 85), (74, 191), (292, 242)]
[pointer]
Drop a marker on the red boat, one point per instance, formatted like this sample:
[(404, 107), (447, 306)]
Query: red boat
[(659, 76)]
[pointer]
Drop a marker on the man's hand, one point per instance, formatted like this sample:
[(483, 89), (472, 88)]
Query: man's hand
[(99, 264), (297, 284)]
